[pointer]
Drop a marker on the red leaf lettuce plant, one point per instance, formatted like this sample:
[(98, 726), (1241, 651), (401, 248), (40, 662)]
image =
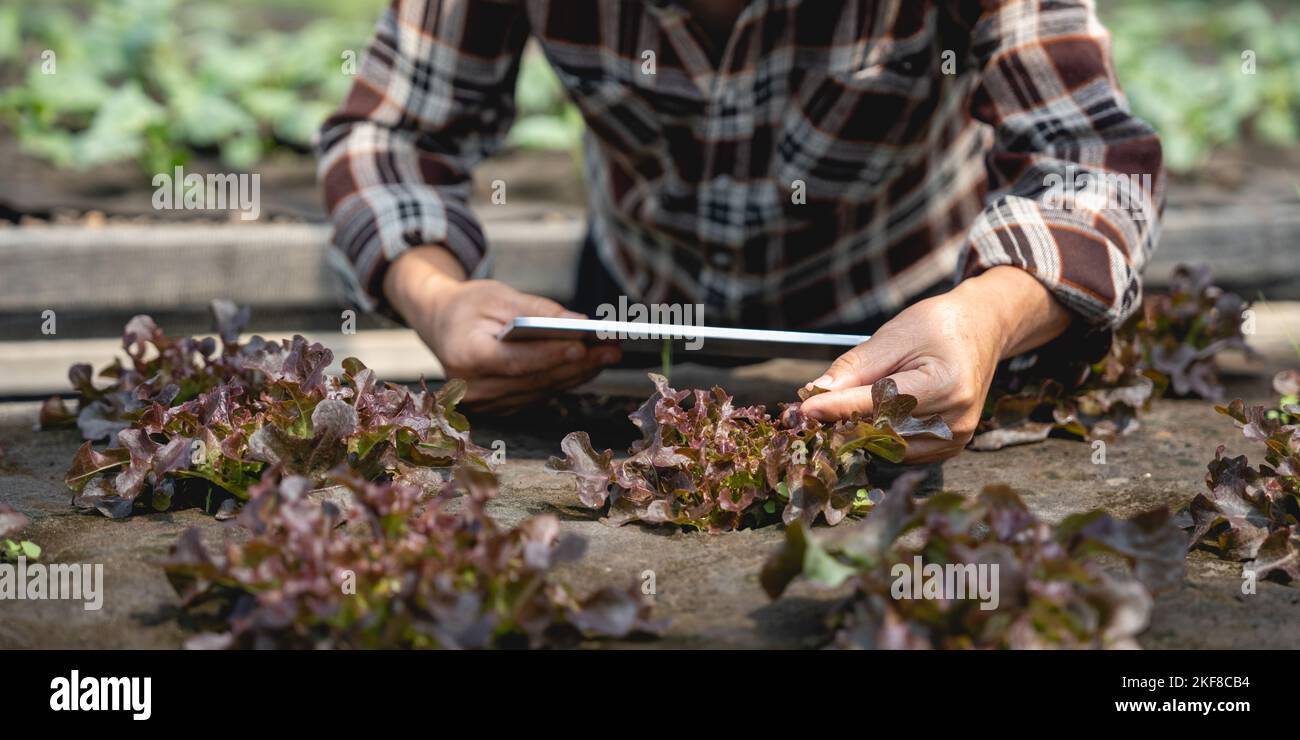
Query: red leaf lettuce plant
[(184, 412), (264, 423), (703, 462), (1169, 345), (400, 574), (1051, 591), (1250, 513), (12, 522)]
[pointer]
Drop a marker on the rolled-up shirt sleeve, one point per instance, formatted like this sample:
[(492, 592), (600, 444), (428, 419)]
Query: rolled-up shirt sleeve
[(433, 95), (1048, 89)]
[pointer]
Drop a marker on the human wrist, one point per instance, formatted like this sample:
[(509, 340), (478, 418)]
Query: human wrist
[(421, 279), (1024, 312)]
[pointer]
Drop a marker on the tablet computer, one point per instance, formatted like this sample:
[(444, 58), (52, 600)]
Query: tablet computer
[(642, 338)]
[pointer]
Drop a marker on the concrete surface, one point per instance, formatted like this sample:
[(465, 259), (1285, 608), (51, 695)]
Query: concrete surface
[(706, 584)]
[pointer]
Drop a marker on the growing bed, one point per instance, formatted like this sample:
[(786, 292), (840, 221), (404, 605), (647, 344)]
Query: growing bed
[(707, 585)]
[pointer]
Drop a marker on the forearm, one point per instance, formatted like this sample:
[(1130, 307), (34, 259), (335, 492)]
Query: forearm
[(1021, 311), (416, 281)]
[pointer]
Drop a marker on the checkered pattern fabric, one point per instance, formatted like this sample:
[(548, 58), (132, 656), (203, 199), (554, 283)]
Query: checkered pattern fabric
[(834, 159)]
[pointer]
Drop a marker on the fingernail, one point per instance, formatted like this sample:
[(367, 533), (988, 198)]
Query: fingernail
[(824, 381), (574, 352), (573, 315), (815, 413)]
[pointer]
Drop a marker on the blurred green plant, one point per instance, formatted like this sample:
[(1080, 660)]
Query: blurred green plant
[(546, 119), (156, 81), (1209, 74)]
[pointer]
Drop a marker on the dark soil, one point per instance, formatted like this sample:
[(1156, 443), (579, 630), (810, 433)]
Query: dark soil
[(33, 191)]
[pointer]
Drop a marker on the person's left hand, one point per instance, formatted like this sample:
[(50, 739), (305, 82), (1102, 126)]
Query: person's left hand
[(944, 350)]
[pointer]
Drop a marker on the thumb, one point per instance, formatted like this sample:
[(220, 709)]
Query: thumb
[(861, 366), (857, 399)]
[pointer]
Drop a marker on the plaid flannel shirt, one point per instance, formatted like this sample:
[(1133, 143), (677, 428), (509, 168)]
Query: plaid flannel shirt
[(835, 159)]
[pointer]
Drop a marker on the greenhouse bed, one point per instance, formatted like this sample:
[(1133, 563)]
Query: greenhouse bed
[(706, 585)]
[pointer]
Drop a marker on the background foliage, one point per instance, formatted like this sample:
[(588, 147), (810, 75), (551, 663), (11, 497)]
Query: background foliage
[(1181, 64), (157, 81)]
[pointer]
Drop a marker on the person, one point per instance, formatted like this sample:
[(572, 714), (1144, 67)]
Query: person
[(886, 166)]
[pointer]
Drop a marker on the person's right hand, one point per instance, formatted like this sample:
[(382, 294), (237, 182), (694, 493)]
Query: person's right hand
[(460, 321)]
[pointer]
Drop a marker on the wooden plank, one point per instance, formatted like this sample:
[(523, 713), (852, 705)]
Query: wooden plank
[(156, 267), (168, 267), (39, 367), (180, 267), (1250, 248)]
